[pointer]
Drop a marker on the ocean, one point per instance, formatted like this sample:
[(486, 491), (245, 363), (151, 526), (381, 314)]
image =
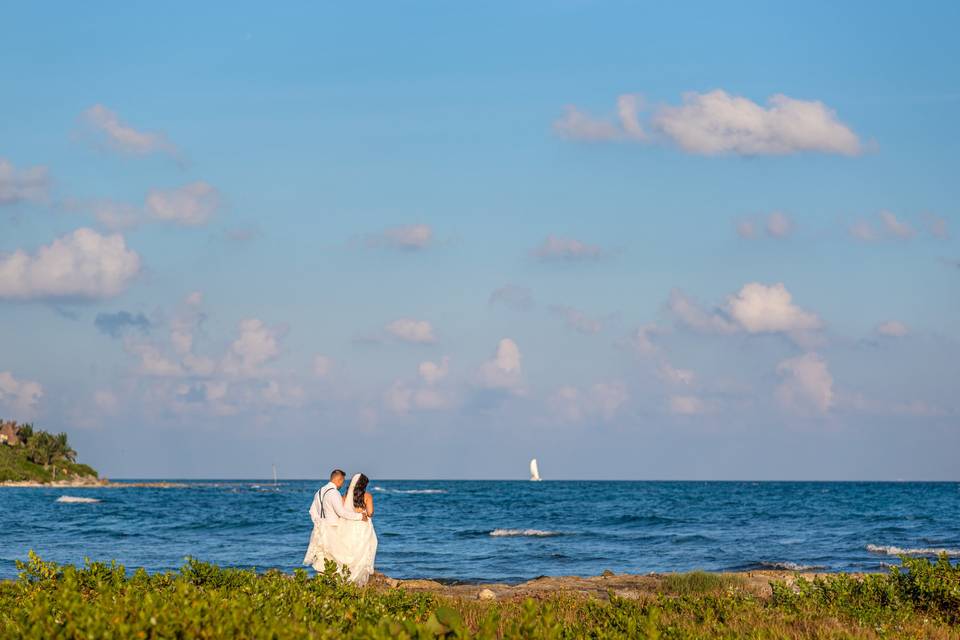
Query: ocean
[(466, 531)]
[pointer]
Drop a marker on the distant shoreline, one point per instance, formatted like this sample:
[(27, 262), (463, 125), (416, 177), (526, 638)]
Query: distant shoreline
[(91, 484)]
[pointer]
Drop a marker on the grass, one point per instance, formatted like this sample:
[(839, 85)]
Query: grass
[(699, 582), (204, 601)]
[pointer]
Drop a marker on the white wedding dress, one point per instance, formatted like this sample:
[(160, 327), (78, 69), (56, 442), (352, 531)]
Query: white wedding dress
[(351, 544)]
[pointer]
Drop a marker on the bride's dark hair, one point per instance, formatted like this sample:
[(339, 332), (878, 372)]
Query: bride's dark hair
[(359, 489)]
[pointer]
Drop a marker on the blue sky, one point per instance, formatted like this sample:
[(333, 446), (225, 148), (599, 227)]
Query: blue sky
[(437, 239)]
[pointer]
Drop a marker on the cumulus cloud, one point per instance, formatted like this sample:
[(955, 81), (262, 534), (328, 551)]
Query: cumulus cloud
[(191, 205), (686, 405), (756, 308), (256, 345), (116, 324), (672, 375), (513, 296), (936, 225), (23, 185), (403, 397), (602, 400), (79, 265), (432, 372), (20, 396), (759, 308), (577, 320), (567, 249), (691, 314), (896, 227), (716, 123), (775, 225), (806, 384), (893, 328), (577, 125), (641, 340), (413, 237), (121, 137), (885, 225), (322, 365), (412, 331), (503, 371)]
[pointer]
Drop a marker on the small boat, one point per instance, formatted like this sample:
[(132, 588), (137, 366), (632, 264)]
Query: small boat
[(274, 476), (534, 471)]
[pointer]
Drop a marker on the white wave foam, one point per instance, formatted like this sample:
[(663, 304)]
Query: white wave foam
[(898, 551), (789, 566), (411, 491), (76, 499), (529, 533)]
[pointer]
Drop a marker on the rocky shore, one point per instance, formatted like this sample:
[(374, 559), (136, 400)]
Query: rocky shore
[(629, 586)]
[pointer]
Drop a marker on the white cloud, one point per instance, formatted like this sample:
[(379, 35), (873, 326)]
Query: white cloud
[(779, 225), (115, 216), (675, 376), (577, 125), (557, 248), (413, 331), (191, 205), (759, 308), (124, 138), (322, 366), (686, 405), (82, 264), (431, 372), (24, 185), (578, 320), (105, 401), (21, 396), (806, 383), (153, 362), (503, 371), (775, 225), (896, 227), (414, 237), (513, 296), (402, 397), (936, 225), (287, 395), (642, 339), (893, 328), (602, 400), (716, 123), (746, 229), (886, 225), (256, 345), (692, 315)]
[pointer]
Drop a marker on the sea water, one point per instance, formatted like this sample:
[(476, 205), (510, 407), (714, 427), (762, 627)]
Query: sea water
[(491, 530)]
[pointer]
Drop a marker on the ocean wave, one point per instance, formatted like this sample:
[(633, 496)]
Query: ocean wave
[(411, 491), (76, 499), (787, 566), (890, 550), (523, 533)]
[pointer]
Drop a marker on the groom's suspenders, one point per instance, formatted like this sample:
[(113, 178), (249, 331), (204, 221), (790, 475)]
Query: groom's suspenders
[(322, 514)]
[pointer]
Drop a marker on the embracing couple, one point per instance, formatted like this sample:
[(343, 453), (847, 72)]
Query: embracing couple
[(343, 528)]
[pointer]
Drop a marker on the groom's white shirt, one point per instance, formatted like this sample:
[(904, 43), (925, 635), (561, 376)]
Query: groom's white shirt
[(328, 505)]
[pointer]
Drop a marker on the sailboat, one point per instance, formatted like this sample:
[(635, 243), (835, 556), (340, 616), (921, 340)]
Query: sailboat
[(275, 477), (534, 471)]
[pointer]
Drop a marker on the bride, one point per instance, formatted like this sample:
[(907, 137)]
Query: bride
[(352, 544)]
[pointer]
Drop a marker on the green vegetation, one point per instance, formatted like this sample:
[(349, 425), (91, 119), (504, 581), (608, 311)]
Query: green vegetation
[(40, 457), (700, 582), (204, 601)]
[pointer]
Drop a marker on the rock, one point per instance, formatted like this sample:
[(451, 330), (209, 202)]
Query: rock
[(607, 573), (486, 594), (393, 583)]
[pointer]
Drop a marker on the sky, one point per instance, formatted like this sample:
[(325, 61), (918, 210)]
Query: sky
[(436, 239)]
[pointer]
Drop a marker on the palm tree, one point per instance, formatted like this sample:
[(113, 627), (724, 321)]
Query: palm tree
[(63, 448)]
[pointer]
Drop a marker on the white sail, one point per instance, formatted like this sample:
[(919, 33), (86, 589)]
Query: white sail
[(534, 471)]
